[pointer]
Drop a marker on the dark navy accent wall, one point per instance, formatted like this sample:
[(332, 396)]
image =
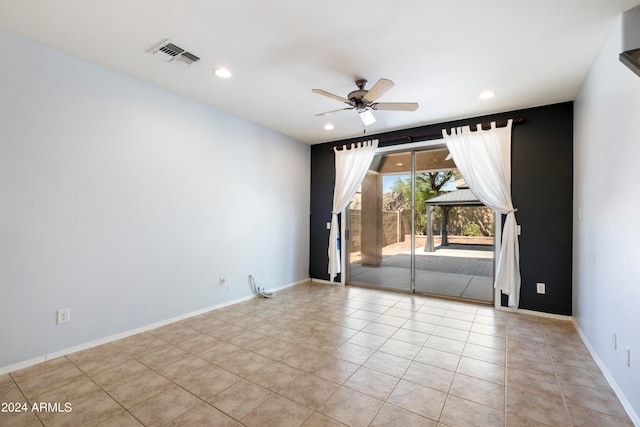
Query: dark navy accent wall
[(542, 190)]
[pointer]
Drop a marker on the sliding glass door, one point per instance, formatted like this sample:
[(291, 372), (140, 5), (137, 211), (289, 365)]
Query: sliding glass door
[(414, 225), (380, 225)]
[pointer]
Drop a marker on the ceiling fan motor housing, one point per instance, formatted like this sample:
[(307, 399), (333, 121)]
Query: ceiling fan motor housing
[(358, 102), (356, 96)]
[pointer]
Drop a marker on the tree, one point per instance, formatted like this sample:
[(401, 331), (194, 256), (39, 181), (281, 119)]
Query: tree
[(393, 201), (428, 186)]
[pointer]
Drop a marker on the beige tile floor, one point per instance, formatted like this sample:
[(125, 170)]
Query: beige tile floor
[(319, 355)]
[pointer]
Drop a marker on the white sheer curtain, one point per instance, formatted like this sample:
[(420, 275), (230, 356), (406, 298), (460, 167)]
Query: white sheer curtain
[(484, 160), (351, 167)]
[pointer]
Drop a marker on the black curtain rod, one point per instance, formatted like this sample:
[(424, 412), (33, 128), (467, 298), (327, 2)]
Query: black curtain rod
[(425, 136)]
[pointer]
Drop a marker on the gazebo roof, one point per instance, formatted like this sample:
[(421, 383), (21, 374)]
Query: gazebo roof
[(462, 196)]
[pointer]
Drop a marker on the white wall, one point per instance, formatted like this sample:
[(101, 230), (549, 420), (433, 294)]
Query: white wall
[(126, 203), (606, 288)]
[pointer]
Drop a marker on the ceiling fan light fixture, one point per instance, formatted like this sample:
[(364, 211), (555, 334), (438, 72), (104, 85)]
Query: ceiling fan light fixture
[(367, 117), (487, 94), (222, 72)]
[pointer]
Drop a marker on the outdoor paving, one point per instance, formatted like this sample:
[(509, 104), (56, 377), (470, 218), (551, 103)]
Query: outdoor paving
[(455, 271)]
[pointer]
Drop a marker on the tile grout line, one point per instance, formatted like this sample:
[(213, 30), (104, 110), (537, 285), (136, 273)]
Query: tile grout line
[(330, 334), (555, 374)]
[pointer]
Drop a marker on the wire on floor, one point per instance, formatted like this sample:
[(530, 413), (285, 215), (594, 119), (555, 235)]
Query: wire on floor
[(258, 291)]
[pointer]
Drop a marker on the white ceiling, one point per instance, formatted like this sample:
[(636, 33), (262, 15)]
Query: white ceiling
[(441, 54)]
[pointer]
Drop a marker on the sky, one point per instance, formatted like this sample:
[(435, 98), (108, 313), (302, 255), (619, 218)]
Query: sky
[(388, 181)]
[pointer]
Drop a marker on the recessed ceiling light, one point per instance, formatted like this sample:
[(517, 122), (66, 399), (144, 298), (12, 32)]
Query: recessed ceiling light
[(328, 126), (487, 94), (222, 73), (399, 164)]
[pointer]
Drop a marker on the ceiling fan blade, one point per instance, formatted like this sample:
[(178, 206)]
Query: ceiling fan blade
[(334, 111), (330, 95), (377, 90), (396, 106)]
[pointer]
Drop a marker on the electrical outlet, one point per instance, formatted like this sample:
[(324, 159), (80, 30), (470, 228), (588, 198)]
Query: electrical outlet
[(541, 288), (223, 281), (63, 316)]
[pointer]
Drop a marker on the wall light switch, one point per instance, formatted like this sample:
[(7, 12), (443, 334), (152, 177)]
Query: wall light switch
[(540, 288), (328, 226)]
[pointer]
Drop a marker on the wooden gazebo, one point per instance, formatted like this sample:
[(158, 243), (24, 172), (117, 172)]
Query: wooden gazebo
[(462, 196)]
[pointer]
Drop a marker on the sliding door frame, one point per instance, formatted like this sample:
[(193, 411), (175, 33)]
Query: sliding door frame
[(413, 148)]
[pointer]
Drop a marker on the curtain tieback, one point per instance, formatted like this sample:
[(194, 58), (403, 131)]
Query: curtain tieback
[(514, 210)]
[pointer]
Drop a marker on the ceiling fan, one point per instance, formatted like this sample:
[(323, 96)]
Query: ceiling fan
[(363, 100)]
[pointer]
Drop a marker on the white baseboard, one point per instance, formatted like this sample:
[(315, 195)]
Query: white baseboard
[(290, 285), (610, 379), (100, 341), (326, 282), (635, 418), (23, 364)]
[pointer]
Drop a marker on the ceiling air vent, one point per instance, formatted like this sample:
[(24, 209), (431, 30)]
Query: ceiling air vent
[(169, 52), (186, 59), (631, 40)]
